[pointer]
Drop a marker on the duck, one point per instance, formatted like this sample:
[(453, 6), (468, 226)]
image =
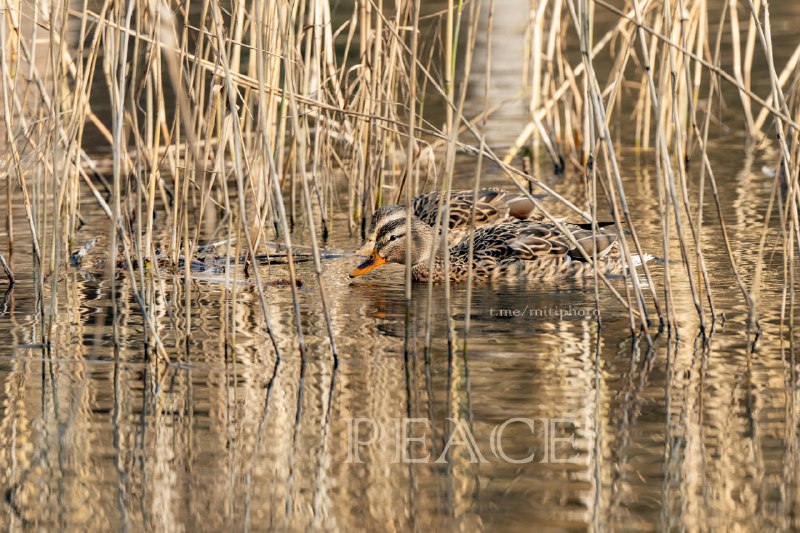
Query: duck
[(93, 265), (492, 205), (512, 249)]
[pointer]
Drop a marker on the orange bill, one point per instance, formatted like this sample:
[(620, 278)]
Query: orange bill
[(373, 261)]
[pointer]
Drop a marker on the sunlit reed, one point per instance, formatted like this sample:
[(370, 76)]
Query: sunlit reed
[(248, 122)]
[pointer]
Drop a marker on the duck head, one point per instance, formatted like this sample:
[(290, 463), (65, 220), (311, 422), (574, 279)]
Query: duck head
[(389, 236), (380, 217)]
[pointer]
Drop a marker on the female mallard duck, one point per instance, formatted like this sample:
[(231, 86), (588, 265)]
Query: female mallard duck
[(514, 249), (491, 206)]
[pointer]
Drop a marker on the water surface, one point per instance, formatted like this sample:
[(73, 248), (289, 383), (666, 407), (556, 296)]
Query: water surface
[(694, 433)]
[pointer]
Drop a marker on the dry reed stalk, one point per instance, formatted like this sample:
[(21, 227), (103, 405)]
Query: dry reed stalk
[(302, 130), (678, 147), (706, 169), (441, 224), (709, 66), (598, 116), (410, 160), (556, 95), (537, 30), (737, 65), (787, 164), (696, 227), (236, 134), (478, 168), (8, 84), (784, 77)]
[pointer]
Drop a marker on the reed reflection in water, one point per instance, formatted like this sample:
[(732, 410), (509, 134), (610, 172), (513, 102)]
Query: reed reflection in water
[(690, 434)]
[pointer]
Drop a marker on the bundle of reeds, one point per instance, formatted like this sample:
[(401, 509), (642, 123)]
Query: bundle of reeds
[(246, 121)]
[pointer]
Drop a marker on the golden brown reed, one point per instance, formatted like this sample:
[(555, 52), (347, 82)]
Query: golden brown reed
[(246, 124)]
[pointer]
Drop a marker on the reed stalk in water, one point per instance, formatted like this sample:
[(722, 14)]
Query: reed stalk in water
[(228, 122)]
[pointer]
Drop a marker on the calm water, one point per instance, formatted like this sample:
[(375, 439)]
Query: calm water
[(693, 434)]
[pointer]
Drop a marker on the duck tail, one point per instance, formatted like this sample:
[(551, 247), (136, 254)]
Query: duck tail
[(600, 224)]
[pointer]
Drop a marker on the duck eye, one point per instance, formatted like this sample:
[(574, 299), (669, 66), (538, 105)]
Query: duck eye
[(393, 238)]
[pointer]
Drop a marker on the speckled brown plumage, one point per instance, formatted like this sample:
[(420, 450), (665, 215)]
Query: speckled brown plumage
[(512, 249), (492, 205), (523, 250)]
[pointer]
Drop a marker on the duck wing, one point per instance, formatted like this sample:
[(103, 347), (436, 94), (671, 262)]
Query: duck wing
[(605, 241), (492, 205), (529, 241)]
